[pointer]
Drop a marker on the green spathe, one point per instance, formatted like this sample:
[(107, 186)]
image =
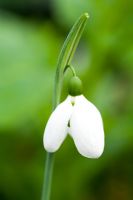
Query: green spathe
[(75, 86)]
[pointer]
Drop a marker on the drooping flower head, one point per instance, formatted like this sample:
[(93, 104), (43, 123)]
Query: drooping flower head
[(79, 118)]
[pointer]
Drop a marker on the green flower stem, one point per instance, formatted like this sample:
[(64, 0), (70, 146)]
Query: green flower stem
[(71, 68), (64, 59), (48, 176)]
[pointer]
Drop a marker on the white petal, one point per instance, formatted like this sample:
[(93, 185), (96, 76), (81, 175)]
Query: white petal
[(86, 128), (56, 128)]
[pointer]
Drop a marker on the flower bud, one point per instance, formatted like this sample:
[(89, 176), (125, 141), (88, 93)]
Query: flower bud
[(75, 86)]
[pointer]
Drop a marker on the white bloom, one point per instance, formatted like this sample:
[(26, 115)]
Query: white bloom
[(86, 127)]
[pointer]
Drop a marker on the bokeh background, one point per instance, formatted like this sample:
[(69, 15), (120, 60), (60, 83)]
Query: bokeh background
[(31, 35)]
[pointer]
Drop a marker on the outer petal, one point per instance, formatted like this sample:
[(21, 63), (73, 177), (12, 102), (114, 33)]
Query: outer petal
[(56, 128), (86, 128)]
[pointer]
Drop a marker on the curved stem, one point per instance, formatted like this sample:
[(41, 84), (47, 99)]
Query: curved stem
[(64, 59), (71, 68)]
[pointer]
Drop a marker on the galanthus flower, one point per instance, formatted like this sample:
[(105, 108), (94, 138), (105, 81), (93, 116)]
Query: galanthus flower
[(79, 118)]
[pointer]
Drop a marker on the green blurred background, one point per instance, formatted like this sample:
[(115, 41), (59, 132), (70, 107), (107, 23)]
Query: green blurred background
[(31, 35)]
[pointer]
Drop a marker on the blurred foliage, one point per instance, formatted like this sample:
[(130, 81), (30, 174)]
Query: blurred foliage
[(29, 47)]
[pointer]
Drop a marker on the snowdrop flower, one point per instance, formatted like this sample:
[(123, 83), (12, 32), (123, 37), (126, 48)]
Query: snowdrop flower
[(80, 119)]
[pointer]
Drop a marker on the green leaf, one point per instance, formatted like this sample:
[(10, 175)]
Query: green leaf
[(67, 53)]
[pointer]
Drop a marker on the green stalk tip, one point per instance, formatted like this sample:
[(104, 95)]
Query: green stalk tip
[(86, 15)]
